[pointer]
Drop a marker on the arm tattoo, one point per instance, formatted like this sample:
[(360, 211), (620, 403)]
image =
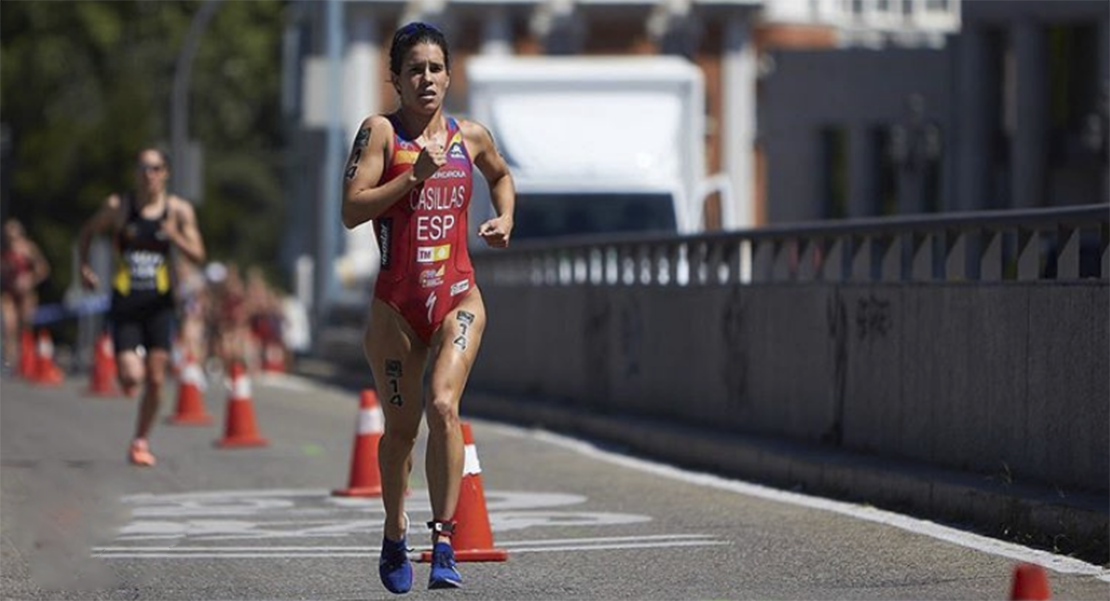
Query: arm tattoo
[(361, 141), (363, 138)]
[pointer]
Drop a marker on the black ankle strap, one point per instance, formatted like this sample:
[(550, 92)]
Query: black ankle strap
[(442, 528)]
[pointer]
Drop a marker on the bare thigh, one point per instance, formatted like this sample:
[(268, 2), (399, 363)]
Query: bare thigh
[(455, 347), (156, 361), (130, 366), (10, 313), (28, 304), (11, 328), (397, 357)]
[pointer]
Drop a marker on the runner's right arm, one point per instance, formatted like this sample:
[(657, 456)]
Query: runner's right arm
[(105, 219), (363, 198)]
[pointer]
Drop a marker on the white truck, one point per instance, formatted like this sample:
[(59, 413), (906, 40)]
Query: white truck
[(596, 145)]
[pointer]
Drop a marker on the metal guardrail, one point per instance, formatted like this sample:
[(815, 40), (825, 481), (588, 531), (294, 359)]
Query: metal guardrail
[(990, 246)]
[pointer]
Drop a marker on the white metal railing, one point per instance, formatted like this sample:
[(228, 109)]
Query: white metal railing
[(990, 246)]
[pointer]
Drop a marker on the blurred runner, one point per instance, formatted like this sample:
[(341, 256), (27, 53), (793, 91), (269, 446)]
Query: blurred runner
[(147, 225), (22, 268), (265, 316), (192, 298), (232, 319)]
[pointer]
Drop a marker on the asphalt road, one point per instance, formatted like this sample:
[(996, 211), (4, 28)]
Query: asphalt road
[(578, 521)]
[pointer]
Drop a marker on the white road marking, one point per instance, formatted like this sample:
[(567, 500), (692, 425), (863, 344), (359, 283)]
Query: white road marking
[(276, 527), (216, 524), (600, 539), (229, 555), (1056, 563), (222, 495), (537, 546), (355, 548), (290, 382), (663, 545), (256, 502)]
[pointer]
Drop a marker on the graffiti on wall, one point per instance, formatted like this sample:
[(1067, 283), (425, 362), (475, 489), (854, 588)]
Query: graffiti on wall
[(735, 367), (631, 337), (873, 318)]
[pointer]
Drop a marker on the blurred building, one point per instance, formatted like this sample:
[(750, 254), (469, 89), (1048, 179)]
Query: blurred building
[(845, 89), (867, 23), (999, 105), (1030, 91)]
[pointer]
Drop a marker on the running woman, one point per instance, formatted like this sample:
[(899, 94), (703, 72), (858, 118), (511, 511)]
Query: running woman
[(410, 172)]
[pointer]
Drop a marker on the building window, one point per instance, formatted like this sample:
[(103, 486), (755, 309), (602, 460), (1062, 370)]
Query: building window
[(1073, 92), (910, 151), (885, 171), (932, 142), (834, 172)]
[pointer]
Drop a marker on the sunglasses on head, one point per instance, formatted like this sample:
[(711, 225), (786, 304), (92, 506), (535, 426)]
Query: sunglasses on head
[(150, 167)]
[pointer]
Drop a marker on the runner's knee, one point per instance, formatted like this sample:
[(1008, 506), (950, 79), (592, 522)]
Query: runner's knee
[(443, 413), (156, 378), (130, 372), (402, 431), (399, 441)]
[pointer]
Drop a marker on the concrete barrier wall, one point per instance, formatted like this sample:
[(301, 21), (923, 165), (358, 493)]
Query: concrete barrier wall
[(1006, 378)]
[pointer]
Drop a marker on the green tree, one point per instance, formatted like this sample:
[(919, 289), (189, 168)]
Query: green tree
[(236, 114), (85, 84)]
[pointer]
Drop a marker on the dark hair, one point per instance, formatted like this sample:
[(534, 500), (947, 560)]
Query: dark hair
[(412, 34)]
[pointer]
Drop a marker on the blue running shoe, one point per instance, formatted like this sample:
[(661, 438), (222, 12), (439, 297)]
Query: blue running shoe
[(394, 566), (444, 574)]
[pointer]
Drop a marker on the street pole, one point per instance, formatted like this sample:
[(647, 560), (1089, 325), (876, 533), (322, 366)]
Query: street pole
[(1100, 144), (4, 170), (179, 103), (327, 239)]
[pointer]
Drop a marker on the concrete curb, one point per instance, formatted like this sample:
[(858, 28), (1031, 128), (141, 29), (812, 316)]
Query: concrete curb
[(1070, 523)]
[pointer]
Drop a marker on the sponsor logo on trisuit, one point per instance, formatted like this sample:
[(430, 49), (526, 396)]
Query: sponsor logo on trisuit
[(448, 173), (385, 227), (429, 278), (433, 254)]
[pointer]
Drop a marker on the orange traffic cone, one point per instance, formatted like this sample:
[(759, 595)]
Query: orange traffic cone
[(28, 363), (102, 378), (1030, 583), (190, 395), (47, 372), (473, 540), (365, 480), (239, 426)]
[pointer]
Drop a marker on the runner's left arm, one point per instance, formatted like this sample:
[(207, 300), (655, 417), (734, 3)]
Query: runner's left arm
[(181, 228), (497, 231)]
